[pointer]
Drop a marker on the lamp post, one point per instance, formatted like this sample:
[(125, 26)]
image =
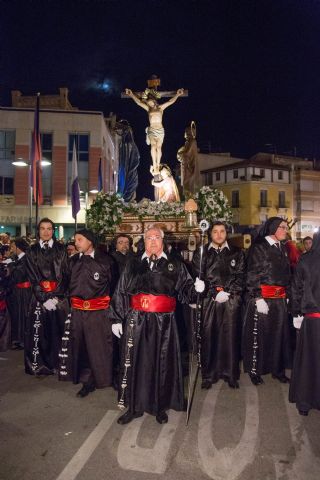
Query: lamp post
[(22, 163)]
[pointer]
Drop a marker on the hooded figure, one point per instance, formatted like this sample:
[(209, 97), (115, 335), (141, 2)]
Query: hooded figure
[(266, 345), (305, 382)]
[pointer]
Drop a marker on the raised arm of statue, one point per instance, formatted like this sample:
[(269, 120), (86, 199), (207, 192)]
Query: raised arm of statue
[(167, 104), (136, 99)]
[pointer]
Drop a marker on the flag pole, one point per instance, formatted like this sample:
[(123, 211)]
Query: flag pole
[(37, 163)]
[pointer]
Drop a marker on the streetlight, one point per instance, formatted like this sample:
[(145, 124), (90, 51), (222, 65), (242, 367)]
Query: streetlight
[(22, 163)]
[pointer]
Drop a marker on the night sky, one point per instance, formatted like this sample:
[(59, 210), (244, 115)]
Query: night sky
[(252, 68)]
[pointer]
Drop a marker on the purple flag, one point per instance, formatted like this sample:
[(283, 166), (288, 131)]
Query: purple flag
[(75, 189)]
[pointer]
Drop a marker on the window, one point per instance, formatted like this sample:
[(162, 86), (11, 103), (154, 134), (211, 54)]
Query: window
[(208, 178), (82, 146), (217, 176), (7, 145), (280, 175), (282, 199), (235, 199), (262, 172), (307, 205), (235, 174), (6, 186), (263, 198), (46, 147)]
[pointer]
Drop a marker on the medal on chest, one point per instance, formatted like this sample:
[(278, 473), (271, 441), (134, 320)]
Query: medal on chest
[(96, 276)]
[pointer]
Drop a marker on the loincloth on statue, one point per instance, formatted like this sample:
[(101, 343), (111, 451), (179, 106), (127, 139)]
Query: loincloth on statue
[(156, 133)]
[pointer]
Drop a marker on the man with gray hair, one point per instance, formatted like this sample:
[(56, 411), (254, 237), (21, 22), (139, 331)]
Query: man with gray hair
[(144, 303)]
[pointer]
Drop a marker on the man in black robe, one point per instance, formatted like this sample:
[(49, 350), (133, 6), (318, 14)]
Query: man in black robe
[(123, 251), (4, 317), (305, 379), (46, 263), (19, 295), (266, 333), (144, 301), (222, 269), (88, 338)]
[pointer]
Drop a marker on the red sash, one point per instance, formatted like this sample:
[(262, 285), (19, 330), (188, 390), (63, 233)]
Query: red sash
[(23, 285), (2, 304), (146, 302), (313, 315), (48, 285), (98, 303), (219, 289), (273, 291)]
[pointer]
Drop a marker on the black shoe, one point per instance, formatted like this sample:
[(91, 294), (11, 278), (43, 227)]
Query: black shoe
[(206, 384), (282, 378), (233, 384), (162, 417), (17, 346), (85, 390), (304, 413), (128, 417), (256, 379)]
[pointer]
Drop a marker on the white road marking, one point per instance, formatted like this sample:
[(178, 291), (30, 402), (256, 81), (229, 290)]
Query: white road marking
[(150, 460), (88, 447), (228, 463), (305, 464)]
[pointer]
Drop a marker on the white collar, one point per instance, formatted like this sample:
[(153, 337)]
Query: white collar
[(90, 254), (22, 254), (163, 255), (271, 240), (50, 243), (224, 245)]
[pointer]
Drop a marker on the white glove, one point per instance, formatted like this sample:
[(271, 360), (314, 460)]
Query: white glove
[(117, 329), (297, 321), (222, 297), (50, 304), (262, 306), (199, 285), (55, 300)]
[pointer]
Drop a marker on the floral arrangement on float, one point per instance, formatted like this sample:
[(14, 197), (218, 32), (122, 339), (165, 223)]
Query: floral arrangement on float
[(213, 205), (108, 210)]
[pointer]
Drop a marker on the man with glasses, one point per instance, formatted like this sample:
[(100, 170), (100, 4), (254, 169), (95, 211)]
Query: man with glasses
[(266, 333), (144, 302)]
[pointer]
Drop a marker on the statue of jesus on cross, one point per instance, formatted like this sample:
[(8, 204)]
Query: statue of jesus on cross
[(148, 100)]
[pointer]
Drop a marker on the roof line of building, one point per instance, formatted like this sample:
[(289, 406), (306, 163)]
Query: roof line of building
[(73, 112)]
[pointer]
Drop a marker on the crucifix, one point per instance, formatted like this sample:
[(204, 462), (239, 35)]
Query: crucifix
[(148, 100)]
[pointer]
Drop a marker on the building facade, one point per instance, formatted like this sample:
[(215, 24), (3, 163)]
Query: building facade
[(257, 189), (307, 195), (61, 125)]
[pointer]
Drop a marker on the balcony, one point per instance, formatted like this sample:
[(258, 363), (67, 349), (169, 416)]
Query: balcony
[(283, 207), (264, 207)]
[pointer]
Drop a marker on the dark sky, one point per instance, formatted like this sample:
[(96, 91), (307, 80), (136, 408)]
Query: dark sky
[(252, 68)]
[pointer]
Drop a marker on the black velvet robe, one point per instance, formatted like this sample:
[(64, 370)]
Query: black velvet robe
[(89, 350), (270, 334), (221, 322), (154, 377), (18, 299), (305, 378), (44, 328), (4, 317)]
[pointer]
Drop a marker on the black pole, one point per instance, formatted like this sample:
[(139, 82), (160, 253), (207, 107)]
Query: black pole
[(75, 224), (37, 194)]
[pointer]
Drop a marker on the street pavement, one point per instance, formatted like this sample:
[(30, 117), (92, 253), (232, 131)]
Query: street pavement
[(47, 433)]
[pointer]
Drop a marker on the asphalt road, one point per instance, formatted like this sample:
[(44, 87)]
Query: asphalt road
[(47, 433)]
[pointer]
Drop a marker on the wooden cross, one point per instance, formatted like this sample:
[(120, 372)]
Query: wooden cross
[(153, 84)]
